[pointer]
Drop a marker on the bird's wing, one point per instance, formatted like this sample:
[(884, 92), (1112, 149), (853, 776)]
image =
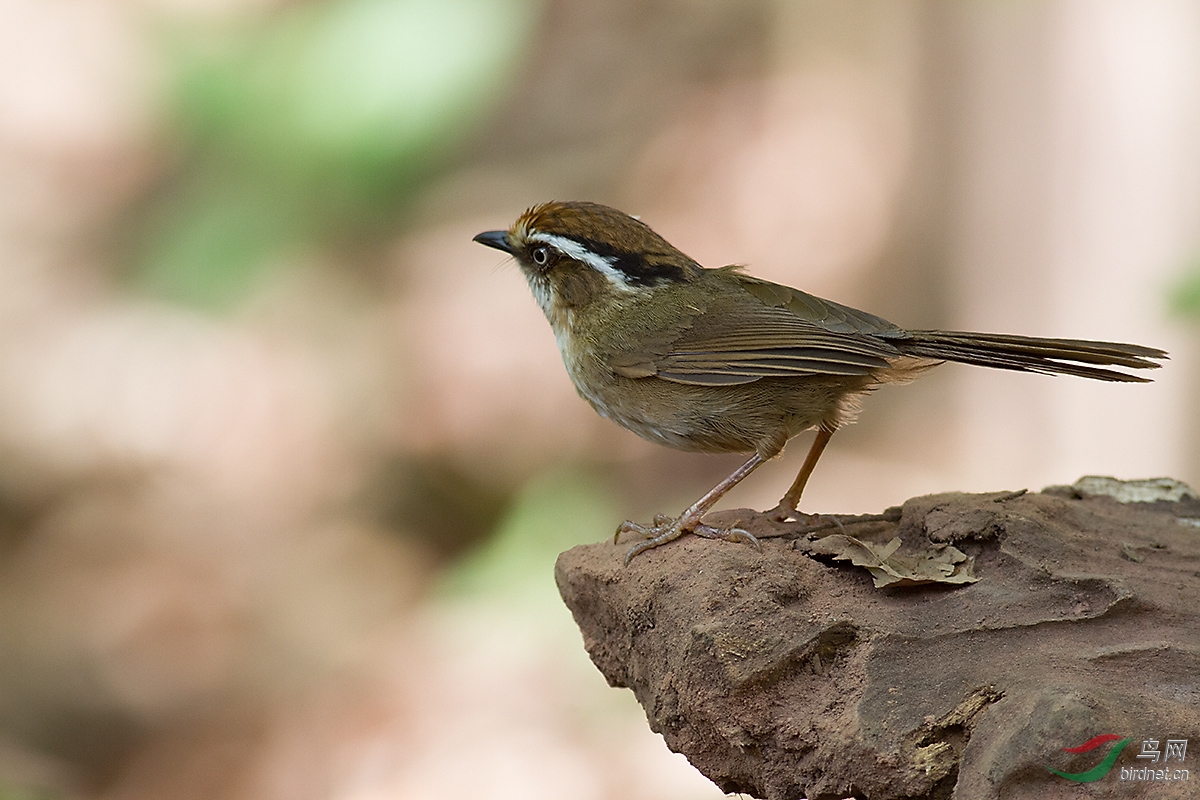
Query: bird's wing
[(824, 314), (780, 332)]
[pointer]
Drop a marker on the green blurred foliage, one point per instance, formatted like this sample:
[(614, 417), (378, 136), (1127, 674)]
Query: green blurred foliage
[(12, 793), (312, 127), (1185, 296), (553, 513)]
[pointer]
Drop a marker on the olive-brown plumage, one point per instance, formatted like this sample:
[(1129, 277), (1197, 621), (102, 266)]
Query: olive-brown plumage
[(717, 361)]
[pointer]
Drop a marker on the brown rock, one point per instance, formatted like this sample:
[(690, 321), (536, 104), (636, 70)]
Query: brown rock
[(782, 676)]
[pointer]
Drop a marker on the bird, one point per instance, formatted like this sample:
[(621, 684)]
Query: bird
[(715, 360)]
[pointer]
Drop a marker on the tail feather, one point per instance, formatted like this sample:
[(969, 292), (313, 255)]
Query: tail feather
[(1031, 354)]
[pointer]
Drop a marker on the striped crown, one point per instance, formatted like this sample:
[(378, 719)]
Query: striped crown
[(623, 249)]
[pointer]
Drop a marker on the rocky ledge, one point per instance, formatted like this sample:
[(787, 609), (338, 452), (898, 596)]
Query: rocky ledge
[(951, 647)]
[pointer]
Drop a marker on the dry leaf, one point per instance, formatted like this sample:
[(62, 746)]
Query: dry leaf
[(942, 565)]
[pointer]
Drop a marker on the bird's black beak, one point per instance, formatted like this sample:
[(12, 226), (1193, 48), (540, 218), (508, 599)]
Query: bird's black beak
[(496, 239)]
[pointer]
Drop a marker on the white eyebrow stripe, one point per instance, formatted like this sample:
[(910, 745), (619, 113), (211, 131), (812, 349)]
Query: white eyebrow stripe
[(574, 250)]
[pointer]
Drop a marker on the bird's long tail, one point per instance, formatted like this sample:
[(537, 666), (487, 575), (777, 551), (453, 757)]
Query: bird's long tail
[(1080, 357)]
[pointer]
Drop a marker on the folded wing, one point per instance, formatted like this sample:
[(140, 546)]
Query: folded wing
[(781, 332)]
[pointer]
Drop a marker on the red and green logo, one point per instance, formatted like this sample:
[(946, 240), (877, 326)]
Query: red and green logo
[(1100, 770)]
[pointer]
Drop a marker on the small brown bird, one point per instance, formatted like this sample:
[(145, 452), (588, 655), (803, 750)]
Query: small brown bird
[(716, 361)]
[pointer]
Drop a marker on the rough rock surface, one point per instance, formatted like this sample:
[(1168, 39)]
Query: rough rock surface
[(783, 676)]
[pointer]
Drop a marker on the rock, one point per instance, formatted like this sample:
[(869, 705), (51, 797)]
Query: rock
[(787, 674)]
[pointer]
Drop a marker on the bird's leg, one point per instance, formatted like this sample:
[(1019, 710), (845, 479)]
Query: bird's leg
[(787, 505), (667, 530)]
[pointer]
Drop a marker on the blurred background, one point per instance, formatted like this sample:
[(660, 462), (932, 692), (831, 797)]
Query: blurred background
[(285, 458)]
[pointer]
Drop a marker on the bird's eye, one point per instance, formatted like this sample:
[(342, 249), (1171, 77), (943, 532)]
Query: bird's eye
[(540, 256)]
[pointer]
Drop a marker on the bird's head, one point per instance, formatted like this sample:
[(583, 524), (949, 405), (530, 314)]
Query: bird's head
[(577, 254)]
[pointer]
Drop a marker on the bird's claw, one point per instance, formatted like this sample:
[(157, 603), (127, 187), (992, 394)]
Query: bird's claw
[(732, 534), (629, 526), (782, 512), (666, 530)]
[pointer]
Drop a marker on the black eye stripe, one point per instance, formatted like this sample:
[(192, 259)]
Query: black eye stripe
[(636, 267)]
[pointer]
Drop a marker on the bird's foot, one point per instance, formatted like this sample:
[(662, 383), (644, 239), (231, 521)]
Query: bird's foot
[(666, 530), (785, 512), (809, 523), (731, 534), (629, 526), (782, 512)]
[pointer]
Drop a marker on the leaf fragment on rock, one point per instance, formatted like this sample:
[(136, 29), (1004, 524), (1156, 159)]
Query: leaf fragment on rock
[(890, 568)]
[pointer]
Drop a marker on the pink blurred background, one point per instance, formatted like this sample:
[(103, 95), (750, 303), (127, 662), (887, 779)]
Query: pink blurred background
[(285, 458)]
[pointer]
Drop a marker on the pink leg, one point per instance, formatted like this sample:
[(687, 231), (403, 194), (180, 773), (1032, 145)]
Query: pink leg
[(787, 506), (665, 531)]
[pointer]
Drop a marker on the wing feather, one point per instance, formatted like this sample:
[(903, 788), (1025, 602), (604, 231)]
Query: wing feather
[(781, 333)]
